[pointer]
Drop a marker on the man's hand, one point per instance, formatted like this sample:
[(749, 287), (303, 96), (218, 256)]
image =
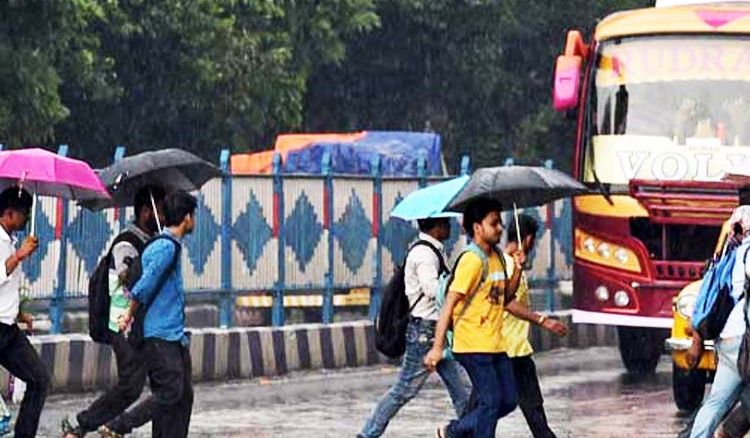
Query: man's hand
[(27, 319), (124, 320), (28, 246), (520, 258), (432, 358), (695, 351), (555, 327)]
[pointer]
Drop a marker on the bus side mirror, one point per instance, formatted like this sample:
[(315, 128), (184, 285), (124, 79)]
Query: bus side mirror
[(567, 80)]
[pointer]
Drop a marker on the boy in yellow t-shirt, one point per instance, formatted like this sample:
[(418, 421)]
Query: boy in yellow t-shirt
[(474, 308), (516, 324)]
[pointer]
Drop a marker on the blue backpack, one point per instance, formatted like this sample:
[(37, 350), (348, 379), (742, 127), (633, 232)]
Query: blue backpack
[(444, 284), (715, 301)]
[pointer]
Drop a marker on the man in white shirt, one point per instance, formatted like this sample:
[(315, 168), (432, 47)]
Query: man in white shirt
[(16, 353), (424, 263), (727, 383)]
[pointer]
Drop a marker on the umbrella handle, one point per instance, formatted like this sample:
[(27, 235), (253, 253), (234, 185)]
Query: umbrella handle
[(32, 230), (518, 228), (156, 213)]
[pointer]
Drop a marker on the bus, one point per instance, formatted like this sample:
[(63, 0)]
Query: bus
[(661, 99)]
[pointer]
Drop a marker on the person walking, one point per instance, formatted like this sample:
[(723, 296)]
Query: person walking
[(727, 384), (17, 355), (166, 345), (425, 261), (474, 307), (107, 411), (517, 321)]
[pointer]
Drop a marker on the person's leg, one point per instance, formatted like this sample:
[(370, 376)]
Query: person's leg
[(530, 397), (131, 377), (412, 376), (507, 394), (22, 361), (458, 385), (735, 425), (724, 391), (166, 376), (482, 420), (184, 408), (133, 418)]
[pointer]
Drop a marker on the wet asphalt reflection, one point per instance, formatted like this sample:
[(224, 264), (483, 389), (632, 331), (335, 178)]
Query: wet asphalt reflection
[(587, 394)]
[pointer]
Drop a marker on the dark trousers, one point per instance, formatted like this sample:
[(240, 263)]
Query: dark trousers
[(170, 372), (494, 383), (21, 360), (530, 396), (109, 407)]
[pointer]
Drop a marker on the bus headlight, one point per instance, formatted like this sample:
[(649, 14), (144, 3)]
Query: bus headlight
[(595, 250), (622, 298), (601, 293)]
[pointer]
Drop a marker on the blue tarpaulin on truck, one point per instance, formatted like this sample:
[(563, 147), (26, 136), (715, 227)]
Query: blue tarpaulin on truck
[(398, 152)]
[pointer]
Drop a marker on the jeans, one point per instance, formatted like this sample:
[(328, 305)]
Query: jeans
[(530, 396), (170, 373), (131, 377), (493, 379), (21, 360), (724, 391), (420, 335)]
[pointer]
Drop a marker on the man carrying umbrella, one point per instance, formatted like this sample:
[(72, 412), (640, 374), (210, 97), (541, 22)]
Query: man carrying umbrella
[(160, 295), (474, 308), (16, 353), (131, 372), (516, 324)]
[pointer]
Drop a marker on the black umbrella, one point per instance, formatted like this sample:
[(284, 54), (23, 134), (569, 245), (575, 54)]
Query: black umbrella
[(517, 187), (170, 169)]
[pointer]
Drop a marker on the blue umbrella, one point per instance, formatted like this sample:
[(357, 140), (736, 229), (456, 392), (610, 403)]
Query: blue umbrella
[(430, 201)]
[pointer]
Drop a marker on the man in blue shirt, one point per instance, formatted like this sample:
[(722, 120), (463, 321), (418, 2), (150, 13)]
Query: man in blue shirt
[(166, 346)]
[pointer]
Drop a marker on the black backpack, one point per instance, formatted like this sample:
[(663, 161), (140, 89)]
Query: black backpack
[(393, 315), (136, 336), (98, 299)]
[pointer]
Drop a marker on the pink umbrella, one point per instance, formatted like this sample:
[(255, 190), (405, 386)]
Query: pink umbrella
[(48, 174)]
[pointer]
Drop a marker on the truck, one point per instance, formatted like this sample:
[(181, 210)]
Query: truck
[(661, 100)]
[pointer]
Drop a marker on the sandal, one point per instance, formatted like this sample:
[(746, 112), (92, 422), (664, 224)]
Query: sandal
[(106, 432), (68, 429)]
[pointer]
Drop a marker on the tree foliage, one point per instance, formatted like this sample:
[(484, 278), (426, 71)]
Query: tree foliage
[(207, 74)]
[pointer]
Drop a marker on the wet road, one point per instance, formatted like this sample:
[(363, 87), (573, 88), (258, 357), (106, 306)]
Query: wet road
[(587, 394)]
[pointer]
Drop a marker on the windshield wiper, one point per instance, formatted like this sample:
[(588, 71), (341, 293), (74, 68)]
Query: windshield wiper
[(603, 189)]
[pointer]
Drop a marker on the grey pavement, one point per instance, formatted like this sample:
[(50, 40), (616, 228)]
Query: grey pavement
[(587, 394)]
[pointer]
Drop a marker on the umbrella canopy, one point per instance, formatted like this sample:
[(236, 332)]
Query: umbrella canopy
[(47, 174), (170, 169), (524, 186), (430, 201)]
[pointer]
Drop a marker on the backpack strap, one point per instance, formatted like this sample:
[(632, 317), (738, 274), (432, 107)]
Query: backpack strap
[(746, 288), (443, 267), (127, 237), (472, 248)]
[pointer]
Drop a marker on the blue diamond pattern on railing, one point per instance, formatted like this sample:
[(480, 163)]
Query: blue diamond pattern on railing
[(251, 232), (353, 232), (303, 231), (201, 242), (397, 234), (89, 234), (45, 232)]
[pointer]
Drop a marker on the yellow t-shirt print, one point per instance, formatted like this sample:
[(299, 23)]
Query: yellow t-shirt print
[(478, 329)]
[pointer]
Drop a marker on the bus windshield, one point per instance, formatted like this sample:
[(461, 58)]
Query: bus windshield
[(669, 108)]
